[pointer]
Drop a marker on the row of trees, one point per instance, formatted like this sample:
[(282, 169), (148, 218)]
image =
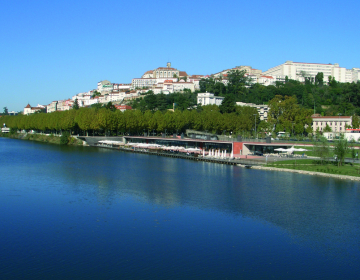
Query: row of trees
[(104, 120), (285, 114)]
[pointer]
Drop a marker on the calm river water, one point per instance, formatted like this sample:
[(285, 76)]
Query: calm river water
[(89, 213)]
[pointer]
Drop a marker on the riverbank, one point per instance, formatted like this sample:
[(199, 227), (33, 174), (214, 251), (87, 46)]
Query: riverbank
[(53, 139), (337, 176)]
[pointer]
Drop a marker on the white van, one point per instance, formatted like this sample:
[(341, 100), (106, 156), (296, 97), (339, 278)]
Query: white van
[(283, 134)]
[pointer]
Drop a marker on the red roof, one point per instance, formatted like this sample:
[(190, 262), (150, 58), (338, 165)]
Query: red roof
[(28, 106), (123, 107)]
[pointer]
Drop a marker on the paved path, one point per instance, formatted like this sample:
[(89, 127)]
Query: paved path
[(344, 177)]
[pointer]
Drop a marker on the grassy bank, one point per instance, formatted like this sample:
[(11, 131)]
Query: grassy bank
[(348, 169), (42, 138)]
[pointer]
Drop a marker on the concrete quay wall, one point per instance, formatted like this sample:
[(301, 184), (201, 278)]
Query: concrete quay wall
[(92, 140)]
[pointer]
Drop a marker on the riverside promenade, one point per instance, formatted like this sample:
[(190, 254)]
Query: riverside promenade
[(229, 159)]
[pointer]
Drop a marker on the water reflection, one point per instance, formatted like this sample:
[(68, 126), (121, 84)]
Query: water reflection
[(319, 210), (303, 205)]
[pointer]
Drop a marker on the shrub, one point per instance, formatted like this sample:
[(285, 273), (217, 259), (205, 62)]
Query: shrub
[(64, 139)]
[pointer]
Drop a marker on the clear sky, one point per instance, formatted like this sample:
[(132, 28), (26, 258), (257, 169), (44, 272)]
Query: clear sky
[(52, 50)]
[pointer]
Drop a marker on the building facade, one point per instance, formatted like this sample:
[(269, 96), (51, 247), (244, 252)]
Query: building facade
[(301, 70), (31, 110), (52, 107), (263, 110), (208, 98), (336, 123)]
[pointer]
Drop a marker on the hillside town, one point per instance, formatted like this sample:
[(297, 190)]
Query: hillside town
[(168, 80)]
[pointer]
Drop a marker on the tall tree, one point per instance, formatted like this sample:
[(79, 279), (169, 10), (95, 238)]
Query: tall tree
[(76, 104), (341, 148), (228, 104), (321, 149)]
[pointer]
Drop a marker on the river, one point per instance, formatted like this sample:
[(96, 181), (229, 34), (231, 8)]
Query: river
[(91, 213)]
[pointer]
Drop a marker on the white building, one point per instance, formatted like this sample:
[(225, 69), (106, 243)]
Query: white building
[(208, 98), (64, 105), (121, 86), (263, 110), (266, 80), (336, 123), (31, 110), (169, 86), (104, 86), (347, 135), (112, 97), (159, 75), (52, 107), (143, 82), (91, 101), (300, 70)]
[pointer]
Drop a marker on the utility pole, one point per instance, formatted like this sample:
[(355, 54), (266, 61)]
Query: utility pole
[(255, 124)]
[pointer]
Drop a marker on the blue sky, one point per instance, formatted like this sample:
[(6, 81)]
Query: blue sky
[(52, 51)]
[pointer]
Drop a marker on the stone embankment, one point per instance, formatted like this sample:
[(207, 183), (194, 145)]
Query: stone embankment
[(46, 138), (343, 177)]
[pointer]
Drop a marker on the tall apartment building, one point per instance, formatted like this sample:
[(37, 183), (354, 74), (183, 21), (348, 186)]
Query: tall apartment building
[(300, 70), (263, 109)]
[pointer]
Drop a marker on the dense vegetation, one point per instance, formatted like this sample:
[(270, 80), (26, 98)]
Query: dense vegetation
[(100, 121), (328, 97)]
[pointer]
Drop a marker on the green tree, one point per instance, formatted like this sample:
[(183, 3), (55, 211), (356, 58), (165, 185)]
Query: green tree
[(228, 104), (322, 149), (96, 93), (6, 112), (64, 139), (341, 148), (110, 106), (76, 104), (327, 128), (353, 151), (237, 81), (355, 121), (319, 79)]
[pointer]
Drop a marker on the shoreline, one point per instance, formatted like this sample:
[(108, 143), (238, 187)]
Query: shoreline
[(43, 138), (51, 139), (342, 177)]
